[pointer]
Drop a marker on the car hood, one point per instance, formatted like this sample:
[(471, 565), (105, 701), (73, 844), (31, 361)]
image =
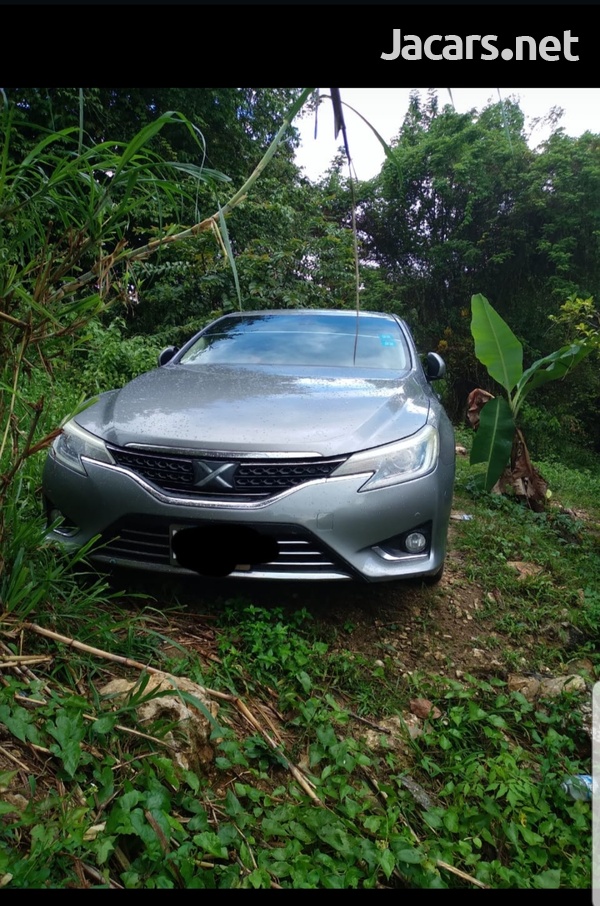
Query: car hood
[(259, 409)]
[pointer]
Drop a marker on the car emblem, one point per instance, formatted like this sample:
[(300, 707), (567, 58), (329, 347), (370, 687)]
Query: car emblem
[(215, 475)]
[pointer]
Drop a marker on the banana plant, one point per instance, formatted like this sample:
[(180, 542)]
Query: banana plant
[(498, 442)]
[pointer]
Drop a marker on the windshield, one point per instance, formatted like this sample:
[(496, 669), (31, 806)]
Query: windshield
[(318, 339)]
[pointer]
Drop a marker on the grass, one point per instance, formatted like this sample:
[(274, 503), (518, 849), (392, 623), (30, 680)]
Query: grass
[(315, 780)]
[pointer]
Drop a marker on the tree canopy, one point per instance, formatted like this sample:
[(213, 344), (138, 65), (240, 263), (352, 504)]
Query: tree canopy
[(462, 206)]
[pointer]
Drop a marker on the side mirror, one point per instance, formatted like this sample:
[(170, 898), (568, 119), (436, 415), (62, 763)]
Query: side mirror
[(167, 354), (435, 367)]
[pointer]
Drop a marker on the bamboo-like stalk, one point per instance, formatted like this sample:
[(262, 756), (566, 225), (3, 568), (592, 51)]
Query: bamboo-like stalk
[(12, 757), (14, 321), (96, 876), (461, 874), (121, 253), (13, 660)]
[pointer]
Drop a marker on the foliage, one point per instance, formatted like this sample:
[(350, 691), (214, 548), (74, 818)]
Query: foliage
[(118, 812), (65, 216), (500, 351), (562, 548), (467, 207), (65, 211), (237, 124), (107, 359), (443, 216), (581, 317), (112, 808), (289, 253), (108, 806)]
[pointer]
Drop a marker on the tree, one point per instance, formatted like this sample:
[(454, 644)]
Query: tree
[(466, 207), (236, 125), (65, 215), (440, 218)]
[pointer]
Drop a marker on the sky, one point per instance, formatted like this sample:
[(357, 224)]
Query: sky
[(385, 109)]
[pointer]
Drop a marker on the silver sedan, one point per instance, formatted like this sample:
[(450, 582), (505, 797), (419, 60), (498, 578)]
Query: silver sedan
[(275, 445)]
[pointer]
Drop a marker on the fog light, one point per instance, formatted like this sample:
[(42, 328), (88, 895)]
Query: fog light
[(415, 543)]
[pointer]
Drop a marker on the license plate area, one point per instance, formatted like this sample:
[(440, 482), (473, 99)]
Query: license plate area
[(218, 550)]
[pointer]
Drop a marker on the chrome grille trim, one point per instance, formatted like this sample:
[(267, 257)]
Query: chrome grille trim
[(223, 454), (257, 478)]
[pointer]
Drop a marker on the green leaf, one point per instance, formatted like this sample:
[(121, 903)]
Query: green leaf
[(451, 821), (105, 724), (530, 837), (552, 367), (372, 823), (511, 831), (409, 855), (69, 730), (20, 723), (210, 844), (548, 880), (230, 255), (304, 680), (232, 805), (387, 862), (493, 440), (259, 878), (6, 778), (475, 712), (338, 839), (496, 346)]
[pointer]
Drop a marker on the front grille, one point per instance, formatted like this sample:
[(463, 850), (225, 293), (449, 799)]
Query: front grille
[(146, 542), (223, 478), (279, 476), (166, 471)]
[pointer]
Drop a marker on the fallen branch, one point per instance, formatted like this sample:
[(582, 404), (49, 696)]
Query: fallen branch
[(18, 659), (461, 874), (305, 783), (369, 723), (12, 757), (36, 702), (96, 876)]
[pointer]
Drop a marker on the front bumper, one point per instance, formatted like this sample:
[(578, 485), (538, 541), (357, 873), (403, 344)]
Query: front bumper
[(324, 529)]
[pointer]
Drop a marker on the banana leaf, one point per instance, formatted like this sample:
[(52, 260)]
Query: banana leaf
[(552, 367), (493, 440), (496, 346)]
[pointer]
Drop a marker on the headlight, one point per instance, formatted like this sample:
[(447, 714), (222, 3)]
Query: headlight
[(73, 443), (401, 461)]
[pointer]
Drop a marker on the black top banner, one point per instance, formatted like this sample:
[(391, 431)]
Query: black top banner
[(384, 44)]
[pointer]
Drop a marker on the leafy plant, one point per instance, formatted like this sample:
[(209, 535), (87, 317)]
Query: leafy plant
[(498, 438)]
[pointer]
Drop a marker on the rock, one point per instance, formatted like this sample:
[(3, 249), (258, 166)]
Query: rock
[(524, 569), (528, 686), (413, 725), (423, 708), (556, 685), (17, 801), (395, 739), (582, 666), (417, 792), (549, 687), (190, 743)]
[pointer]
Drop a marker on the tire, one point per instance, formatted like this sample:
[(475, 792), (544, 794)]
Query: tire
[(435, 577)]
